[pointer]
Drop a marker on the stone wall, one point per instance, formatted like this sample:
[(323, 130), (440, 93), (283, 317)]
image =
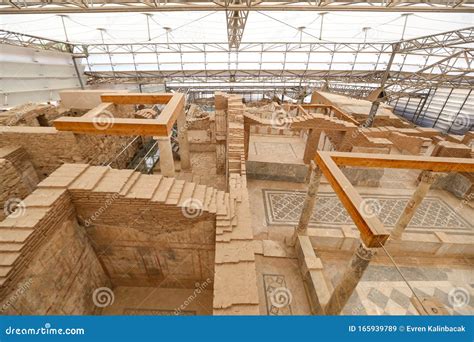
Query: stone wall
[(30, 114), (12, 189), (18, 178), (48, 148), (235, 280), (48, 265), (149, 244), (165, 238)]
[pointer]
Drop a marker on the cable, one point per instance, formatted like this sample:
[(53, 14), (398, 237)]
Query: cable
[(444, 21), (293, 27), (177, 28), (403, 277)]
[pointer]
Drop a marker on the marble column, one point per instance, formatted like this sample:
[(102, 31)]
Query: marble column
[(310, 200), (166, 157), (353, 273), (183, 142), (427, 179)]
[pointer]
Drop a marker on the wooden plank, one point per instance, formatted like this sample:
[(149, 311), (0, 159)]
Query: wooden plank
[(372, 231), (137, 98), (437, 164), (117, 126), (92, 123)]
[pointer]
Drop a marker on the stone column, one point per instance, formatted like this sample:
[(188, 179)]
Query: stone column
[(166, 157), (427, 179), (310, 200), (183, 142), (354, 271)]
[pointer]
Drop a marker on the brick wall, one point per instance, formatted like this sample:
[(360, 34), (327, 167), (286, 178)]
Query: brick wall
[(47, 263), (48, 148)]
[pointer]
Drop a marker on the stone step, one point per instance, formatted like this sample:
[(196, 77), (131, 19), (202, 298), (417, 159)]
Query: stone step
[(131, 181), (213, 203), (187, 194), (175, 192), (145, 187), (200, 194), (208, 197), (161, 193), (113, 181), (90, 178)]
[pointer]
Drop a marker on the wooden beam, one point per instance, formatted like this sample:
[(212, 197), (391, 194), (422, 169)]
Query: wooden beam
[(436, 164), (114, 126), (171, 111), (137, 98), (372, 231), (101, 120)]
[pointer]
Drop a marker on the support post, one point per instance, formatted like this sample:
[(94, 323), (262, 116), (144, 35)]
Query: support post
[(311, 145), (427, 179), (166, 157), (310, 200), (353, 273), (183, 141), (385, 76)]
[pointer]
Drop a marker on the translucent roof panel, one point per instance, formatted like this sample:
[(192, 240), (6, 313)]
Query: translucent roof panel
[(212, 27)]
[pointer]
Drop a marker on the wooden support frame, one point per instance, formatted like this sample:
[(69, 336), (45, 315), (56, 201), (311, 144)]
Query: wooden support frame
[(372, 231), (159, 127)]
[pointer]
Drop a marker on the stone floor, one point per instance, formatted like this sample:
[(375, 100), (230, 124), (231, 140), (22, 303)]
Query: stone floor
[(203, 170), (283, 207), (159, 301), (382, 290), (280, 287), (275, 208), (274, 148)]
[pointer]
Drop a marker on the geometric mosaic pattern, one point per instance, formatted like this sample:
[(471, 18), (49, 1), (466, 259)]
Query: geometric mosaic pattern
[(393, 298), (283, 207), (278, 297), (382, 292)]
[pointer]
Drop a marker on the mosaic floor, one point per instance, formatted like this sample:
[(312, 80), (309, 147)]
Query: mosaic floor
[(277, 295), (381, 291), (283, 207)]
